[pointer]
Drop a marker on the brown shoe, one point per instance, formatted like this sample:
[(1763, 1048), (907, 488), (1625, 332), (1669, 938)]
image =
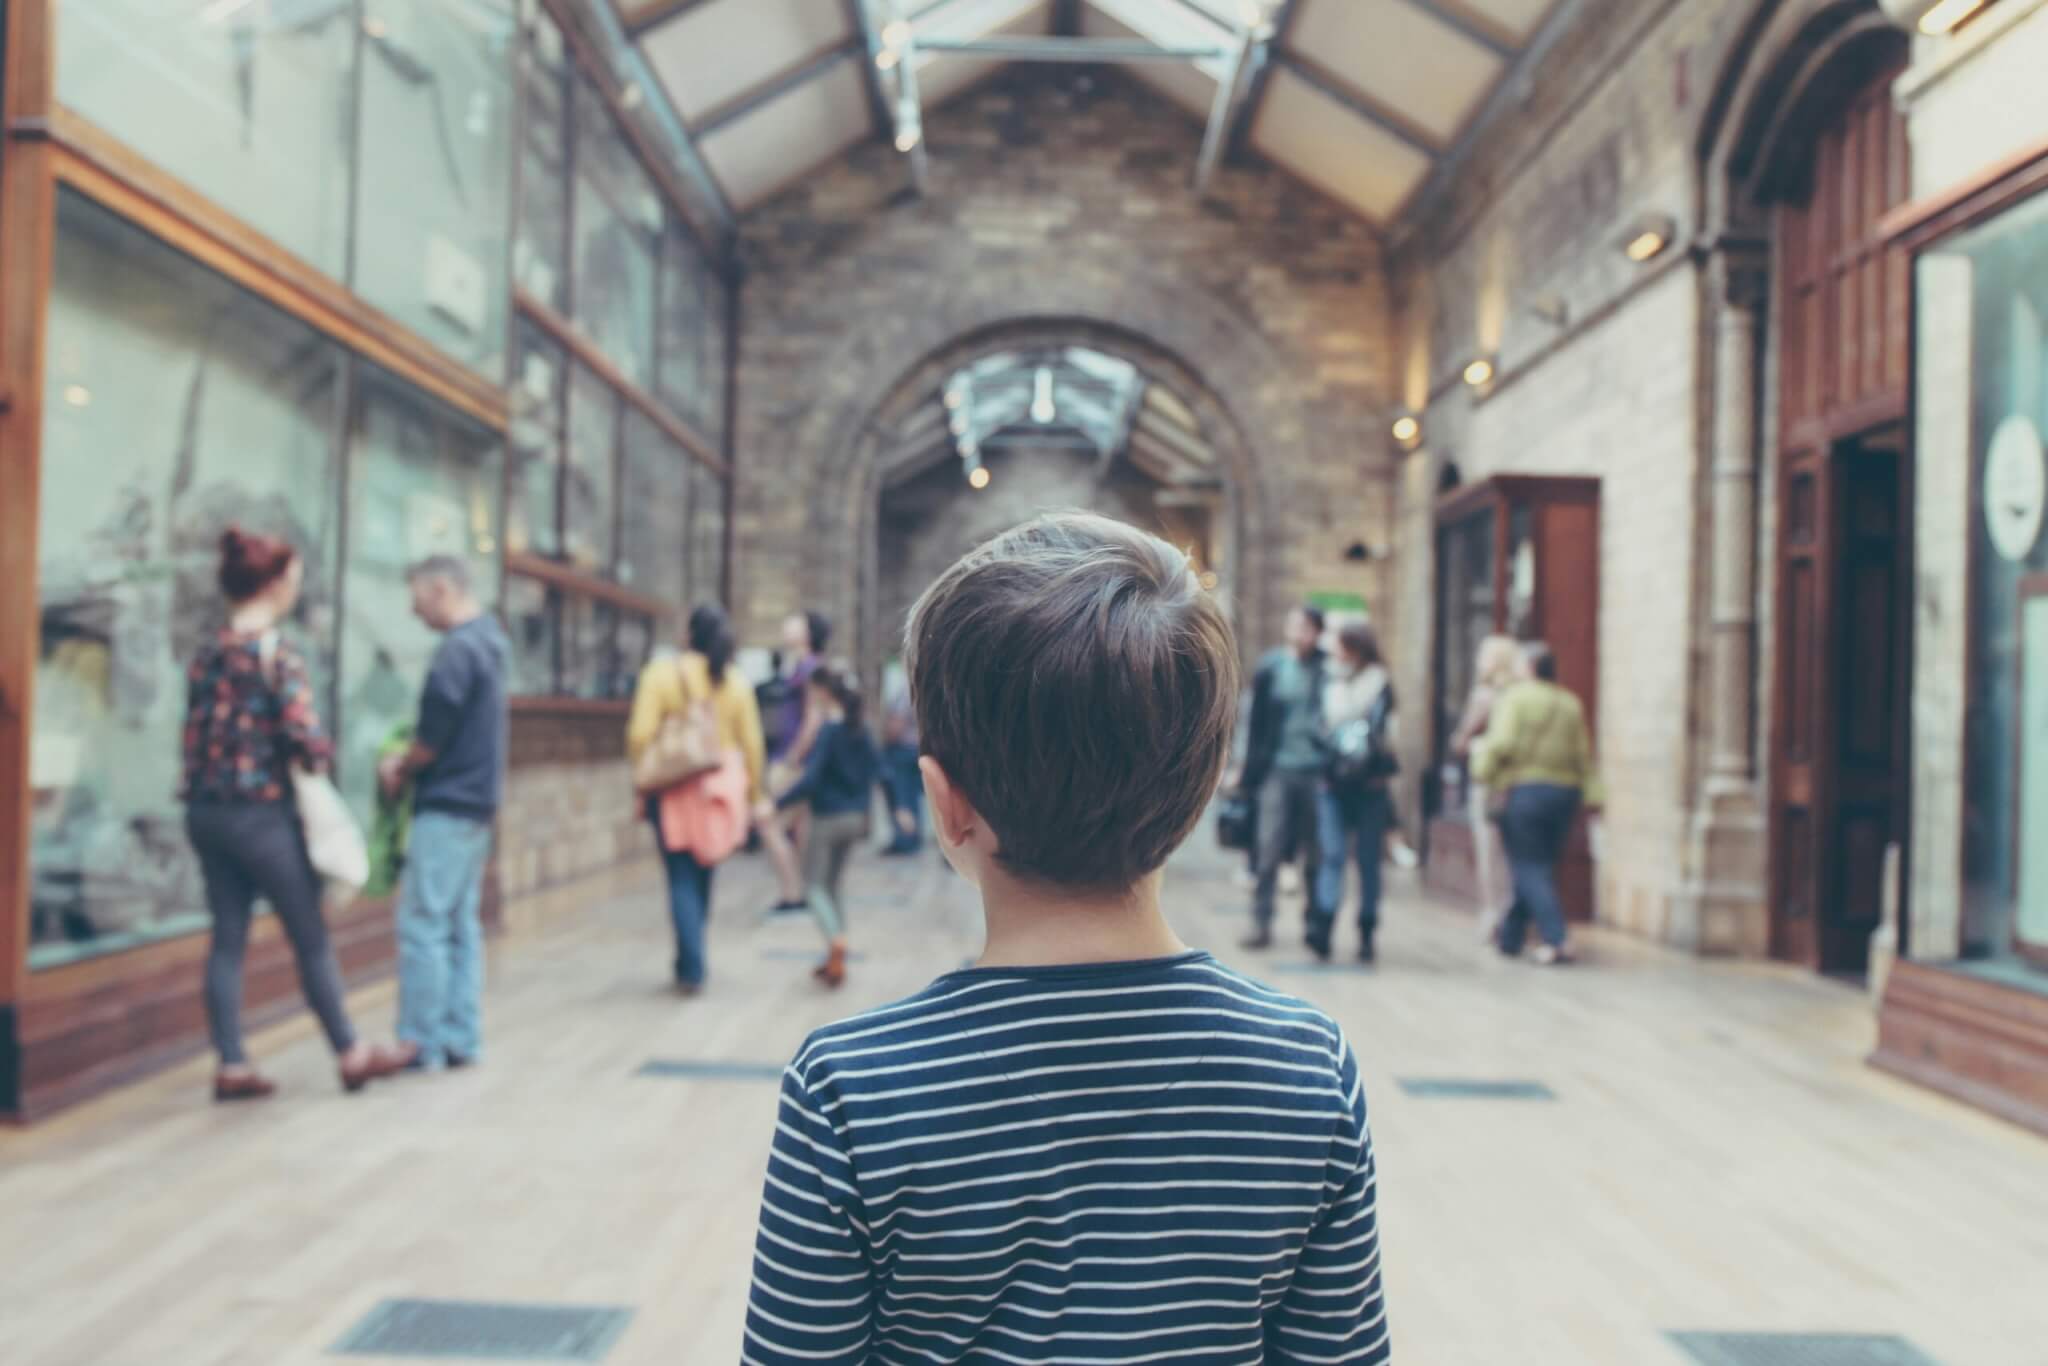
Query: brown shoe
[(248, 1086), (832, 972), (383, 1061)]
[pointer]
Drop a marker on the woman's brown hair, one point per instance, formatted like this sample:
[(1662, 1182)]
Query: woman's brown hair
[(250, 562)]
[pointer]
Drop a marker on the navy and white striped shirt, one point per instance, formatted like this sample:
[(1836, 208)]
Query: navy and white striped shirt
[(1159, 1161)]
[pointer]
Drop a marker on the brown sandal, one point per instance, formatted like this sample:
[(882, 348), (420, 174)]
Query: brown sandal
[(252, 1086), (383, 1062)]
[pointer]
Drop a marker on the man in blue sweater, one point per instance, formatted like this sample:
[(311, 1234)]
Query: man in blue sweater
[(456, 766)]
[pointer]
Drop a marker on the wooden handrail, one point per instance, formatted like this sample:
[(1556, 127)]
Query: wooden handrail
[(580, 584)]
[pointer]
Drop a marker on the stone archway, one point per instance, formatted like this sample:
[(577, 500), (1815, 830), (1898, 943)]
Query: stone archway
[(1239, 385), (1244, 557), (1770, 69)]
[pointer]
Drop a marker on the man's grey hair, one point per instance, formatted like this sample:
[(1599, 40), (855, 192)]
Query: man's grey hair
[(447, 568)]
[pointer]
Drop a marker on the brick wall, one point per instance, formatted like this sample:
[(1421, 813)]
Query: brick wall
[(1058, 198), (569, 810)]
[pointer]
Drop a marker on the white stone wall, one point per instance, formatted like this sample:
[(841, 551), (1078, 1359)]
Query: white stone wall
[(1619, 405)]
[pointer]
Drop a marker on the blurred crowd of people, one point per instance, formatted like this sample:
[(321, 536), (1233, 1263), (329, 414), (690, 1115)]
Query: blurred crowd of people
[(1321, 738)]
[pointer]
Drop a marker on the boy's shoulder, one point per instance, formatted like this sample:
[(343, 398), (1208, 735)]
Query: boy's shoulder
[(1198, 981)]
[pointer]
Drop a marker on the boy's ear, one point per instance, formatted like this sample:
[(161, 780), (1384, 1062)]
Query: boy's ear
[(954, 818)]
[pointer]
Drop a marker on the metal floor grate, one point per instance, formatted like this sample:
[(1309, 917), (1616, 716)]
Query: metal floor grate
[(1469, 1088), (1800, 1349), (710, 1070), (489, 1332)]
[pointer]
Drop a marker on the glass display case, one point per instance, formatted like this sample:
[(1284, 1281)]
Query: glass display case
[(1988, 288), (1516, 556)]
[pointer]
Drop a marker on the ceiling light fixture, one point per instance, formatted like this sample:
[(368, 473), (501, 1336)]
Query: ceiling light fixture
[(1479, 373), (1043, 408), (77, 395), (886, 58), (977, 478), (909, 125), (896, 33), (1946, 16), (375, 27), (1406, 429)]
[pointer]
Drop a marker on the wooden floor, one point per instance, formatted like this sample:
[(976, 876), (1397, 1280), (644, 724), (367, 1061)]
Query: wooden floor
[(1716, 1156)]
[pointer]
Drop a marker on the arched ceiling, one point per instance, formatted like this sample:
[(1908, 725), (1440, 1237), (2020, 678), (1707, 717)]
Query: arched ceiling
[(1362, 98)]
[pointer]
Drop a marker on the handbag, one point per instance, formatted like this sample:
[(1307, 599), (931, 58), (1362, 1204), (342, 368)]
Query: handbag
[(334, 842), (685, 745), (1236, 820), (1358, 752), (706, 816)]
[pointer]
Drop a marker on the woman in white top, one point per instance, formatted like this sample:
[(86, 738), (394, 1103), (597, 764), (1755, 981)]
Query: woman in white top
[(1499, 667), (1355, 807)]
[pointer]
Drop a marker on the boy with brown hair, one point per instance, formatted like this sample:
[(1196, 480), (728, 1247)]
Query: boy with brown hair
[(1095, 1144)]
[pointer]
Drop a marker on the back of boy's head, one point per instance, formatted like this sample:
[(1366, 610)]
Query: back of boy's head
[(1079, 688)]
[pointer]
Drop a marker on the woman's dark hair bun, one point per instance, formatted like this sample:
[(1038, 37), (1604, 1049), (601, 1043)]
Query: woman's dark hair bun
[(250, 562)]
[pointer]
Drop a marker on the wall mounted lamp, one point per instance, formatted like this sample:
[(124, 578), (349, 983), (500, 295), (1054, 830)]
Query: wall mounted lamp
[(1647, 237), (1479, 372)]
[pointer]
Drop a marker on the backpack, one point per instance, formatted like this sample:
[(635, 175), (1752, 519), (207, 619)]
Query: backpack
[(1358, 750)]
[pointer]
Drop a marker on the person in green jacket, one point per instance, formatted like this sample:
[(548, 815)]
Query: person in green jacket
[(1536, 751)]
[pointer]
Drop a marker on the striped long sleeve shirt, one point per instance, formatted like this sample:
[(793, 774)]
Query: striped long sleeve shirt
[(1159, 1161)]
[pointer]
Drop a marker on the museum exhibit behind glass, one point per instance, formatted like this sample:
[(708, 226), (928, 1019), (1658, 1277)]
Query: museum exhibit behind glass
[(260, 106), (1996, 276), (176, 404)]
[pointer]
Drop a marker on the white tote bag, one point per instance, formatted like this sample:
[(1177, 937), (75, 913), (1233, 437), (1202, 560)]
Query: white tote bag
[(334, 842), (333, 839)]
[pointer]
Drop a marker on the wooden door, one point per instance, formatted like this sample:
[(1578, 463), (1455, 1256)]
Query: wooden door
[(1805, 681), (1843, 523)]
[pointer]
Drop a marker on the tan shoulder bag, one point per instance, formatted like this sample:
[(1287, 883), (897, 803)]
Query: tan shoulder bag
[(684, 747)]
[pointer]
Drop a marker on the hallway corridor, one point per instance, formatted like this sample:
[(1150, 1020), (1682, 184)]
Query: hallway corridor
[(1698, 1148)]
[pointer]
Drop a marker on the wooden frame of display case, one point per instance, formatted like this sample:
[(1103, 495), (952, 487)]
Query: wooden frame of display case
[(1565, 519), (71, 1030)]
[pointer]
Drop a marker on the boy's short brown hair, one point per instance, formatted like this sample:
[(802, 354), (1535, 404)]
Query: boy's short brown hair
[(1079, 688)]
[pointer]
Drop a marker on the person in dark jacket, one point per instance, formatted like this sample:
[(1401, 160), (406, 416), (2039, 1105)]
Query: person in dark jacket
[(1284, 758), (837, 785), (455, 767)]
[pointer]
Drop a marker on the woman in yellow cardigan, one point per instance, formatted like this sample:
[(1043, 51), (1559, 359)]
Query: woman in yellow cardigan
[(668, 686)]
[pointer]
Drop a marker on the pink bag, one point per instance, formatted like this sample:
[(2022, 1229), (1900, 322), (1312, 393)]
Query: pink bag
[(706, 817)]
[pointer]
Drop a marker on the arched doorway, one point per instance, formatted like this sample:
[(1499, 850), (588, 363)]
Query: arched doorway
[(1128, 429), (1807, 157)]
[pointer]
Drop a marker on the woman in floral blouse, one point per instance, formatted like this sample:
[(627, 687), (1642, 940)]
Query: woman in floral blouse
[(249, 719)]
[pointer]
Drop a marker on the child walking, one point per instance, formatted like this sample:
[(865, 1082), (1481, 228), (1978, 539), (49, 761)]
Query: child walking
[(837, 784), (1094, 1145)]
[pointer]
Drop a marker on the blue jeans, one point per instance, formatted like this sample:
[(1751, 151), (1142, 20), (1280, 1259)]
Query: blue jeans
[(440, 939), (1534, 826), (689, 902), (1349, 824), (903, 788)]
